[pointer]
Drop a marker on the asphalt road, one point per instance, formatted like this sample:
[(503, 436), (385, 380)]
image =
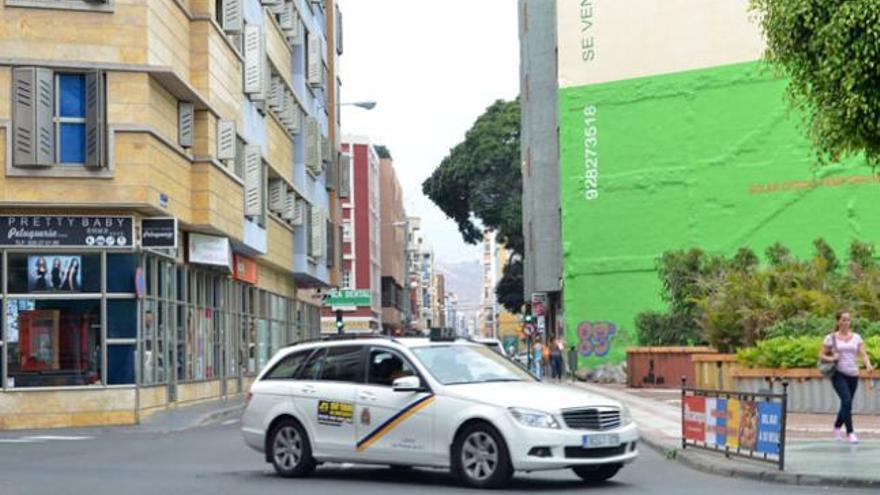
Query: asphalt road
[(213, 460)]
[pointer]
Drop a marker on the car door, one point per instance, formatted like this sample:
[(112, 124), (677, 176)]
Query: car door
[(392, 427), (325, 394)]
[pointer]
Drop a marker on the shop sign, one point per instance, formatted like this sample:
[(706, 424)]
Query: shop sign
[(245, 269), (67, 231), (539, 304), (328, 325), (210, 250), (159, 232), (349, 297)]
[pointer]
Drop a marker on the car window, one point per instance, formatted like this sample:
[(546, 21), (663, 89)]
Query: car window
[(286, 368), (455, 364), (385, 366), (312, 367), (343, 364)]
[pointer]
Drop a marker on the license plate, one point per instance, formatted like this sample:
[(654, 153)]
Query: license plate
[(597, 441)]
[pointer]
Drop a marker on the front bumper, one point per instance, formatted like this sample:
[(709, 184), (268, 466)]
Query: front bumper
[(535, 449)]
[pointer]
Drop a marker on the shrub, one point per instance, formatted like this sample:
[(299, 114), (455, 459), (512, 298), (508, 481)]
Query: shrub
[(794, 352), (818, 326), (660, 329)]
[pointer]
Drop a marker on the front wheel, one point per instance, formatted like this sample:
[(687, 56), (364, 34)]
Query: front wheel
[(290, 450), (597, 474), (480, 458)]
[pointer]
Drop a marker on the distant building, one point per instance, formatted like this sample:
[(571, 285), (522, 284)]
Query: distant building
[(394, 237), (361, 239), (495, 320)]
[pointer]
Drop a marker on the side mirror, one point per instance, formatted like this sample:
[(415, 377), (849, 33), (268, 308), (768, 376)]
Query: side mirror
[(407, 384)]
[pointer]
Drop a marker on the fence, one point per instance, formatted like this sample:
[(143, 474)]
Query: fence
[(737, 424)]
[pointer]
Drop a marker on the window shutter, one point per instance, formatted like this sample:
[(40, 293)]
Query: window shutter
[(325, 149), (299, 211), (289, 211), (295, 34), (286, 16), (269, 3), (233, 17), (185, 123), (331, 242), (253, 59), (275, 96), (319, 148), (226, 140), (294, 116), (33, 131), (338, 32), (253, 181), (332, 178), (318, 226), (315, 60), (345, 176), (94, 119), (277, 195)]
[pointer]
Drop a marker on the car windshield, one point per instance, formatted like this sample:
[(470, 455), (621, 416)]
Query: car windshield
[(457, 364)]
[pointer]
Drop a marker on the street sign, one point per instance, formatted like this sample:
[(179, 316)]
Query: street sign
[(539, 304), (348, 297)]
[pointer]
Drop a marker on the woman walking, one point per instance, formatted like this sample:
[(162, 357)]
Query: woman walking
[(843, 347)]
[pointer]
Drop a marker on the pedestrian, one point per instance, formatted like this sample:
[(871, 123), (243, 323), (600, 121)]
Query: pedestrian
[(545, 359), (843, 346), (556, 359), (538, 354)]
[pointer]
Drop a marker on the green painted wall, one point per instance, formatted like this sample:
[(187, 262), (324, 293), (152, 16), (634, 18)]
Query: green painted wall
[(708, 158)]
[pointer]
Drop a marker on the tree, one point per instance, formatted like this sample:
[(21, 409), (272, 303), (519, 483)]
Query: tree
[(382, 151), (829, 50), (480, 180)]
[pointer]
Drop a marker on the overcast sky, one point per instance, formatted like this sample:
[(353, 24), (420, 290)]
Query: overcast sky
[(433, 67)]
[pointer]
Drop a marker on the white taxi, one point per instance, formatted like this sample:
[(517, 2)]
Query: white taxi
[(419, 402)]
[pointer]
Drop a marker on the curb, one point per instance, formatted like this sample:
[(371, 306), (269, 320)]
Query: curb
[(698, 463), (220, 415)]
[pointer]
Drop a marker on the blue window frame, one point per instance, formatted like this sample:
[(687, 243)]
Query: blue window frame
[(70, 118)]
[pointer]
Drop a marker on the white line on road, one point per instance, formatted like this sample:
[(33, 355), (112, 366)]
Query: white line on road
[(229, 422), (56, 437)]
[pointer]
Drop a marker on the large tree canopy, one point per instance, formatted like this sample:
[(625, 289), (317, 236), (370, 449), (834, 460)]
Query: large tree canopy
[(480, 179), (830, 51)]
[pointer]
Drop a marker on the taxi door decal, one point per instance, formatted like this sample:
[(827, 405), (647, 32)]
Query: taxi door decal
[(394, 421)]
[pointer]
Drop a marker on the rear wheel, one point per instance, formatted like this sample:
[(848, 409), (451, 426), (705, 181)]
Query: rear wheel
[(290, 450), (480, 458), (597, 474)]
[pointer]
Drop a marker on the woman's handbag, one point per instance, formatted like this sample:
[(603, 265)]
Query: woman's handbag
[(827, 368)]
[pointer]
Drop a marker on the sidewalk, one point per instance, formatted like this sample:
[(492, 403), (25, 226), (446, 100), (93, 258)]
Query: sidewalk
[(187, 417), (812, 458)]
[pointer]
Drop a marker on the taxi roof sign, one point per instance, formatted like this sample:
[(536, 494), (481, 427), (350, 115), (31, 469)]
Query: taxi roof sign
[(443, 334)]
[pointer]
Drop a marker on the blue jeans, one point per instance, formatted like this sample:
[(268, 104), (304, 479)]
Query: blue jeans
[(845, 386)]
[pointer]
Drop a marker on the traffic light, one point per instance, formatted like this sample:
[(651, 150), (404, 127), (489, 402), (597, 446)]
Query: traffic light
[(340, 325), (529, 318)]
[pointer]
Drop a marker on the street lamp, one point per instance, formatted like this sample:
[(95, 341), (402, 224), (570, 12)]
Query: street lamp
[(366, 105)]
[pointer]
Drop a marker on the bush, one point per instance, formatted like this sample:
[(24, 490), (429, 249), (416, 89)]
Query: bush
[(660, 329), (818, 326), (794, 352)]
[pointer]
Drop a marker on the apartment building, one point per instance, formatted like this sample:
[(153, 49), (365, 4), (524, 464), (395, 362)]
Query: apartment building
[(394, 231), (495, 320), (168, 169), (423, 301), (361, 239)]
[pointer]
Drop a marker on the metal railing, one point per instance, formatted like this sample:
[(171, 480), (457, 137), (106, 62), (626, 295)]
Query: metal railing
[(749, 425)]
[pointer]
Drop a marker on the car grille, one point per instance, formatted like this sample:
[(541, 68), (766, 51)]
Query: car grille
[(582, 453), (596, 419)]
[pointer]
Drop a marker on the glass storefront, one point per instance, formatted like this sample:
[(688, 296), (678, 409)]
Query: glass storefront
[(73, 319)]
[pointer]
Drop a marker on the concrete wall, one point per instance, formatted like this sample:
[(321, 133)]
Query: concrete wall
[(540, 148), (66, 408)]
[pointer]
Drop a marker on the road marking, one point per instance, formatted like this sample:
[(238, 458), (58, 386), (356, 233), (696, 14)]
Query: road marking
[(229, 422), (44, 438)]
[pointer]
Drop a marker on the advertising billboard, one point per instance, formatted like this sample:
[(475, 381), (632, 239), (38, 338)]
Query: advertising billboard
[(674, 135)]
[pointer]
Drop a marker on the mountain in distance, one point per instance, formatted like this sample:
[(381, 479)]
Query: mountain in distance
[(465, 279)]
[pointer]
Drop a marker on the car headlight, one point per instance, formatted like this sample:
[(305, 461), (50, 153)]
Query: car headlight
[(626, 417), (534, 419)]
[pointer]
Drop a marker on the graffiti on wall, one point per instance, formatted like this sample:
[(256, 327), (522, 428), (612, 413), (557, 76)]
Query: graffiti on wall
[(594, 337)]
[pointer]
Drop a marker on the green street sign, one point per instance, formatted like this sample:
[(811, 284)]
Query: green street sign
[(349, 297)]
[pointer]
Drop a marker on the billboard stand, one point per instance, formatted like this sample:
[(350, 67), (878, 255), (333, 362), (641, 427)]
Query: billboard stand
[(750, 425)]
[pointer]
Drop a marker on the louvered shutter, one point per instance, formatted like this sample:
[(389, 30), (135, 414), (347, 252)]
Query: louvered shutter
[(33, 132), (339, 36), (286, 16), (296, 35), (253, 181), (299, 212), (319, 148), (185, 113), (226, 140), (325, 149), (317, 244), (316, 62), (233, 17), (275, 97), (253, 59), (289, 212), (345, 176), (269, 3), (277, 195), (295, 117), (312, 145), (94, 119)]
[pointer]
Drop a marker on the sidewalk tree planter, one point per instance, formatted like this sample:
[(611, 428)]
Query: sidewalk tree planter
[(661, 367), (712, 371), (808, 390)]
